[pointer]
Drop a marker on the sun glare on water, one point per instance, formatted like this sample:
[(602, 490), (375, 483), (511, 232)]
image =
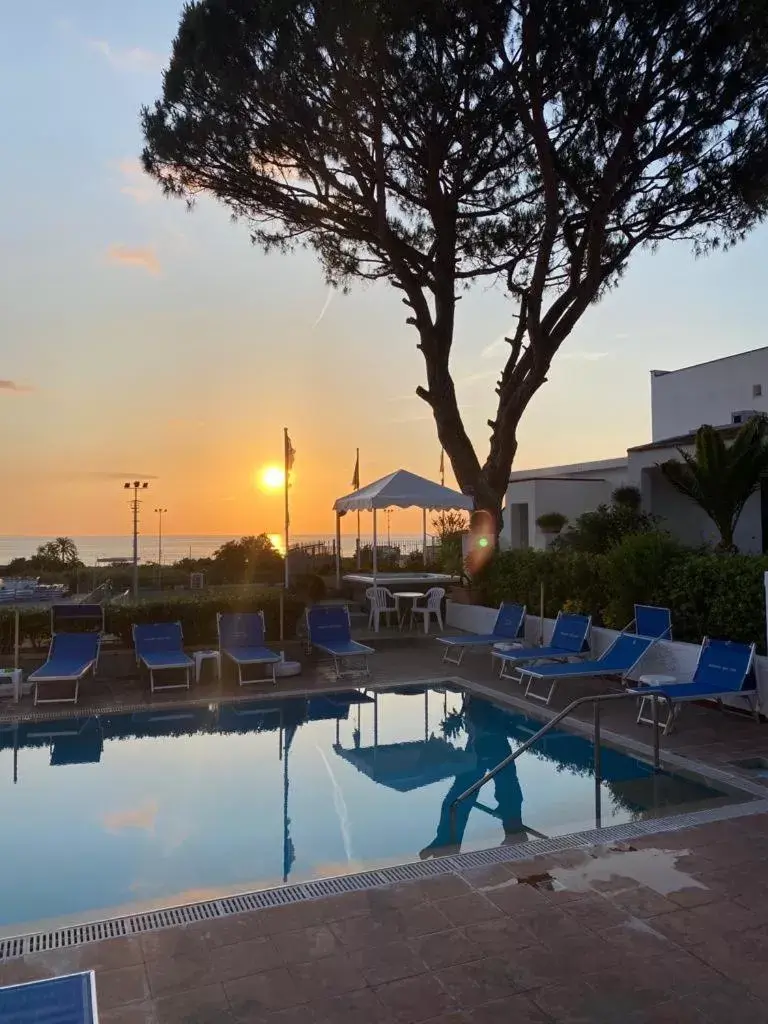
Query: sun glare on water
[(271, 478)]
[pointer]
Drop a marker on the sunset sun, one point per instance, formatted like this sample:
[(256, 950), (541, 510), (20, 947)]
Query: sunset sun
[(271, 478)]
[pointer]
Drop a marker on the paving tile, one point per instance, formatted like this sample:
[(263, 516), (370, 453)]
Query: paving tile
[(122, 985), (206, 1005), (469, 909), (518, 898), (549, 923), (443, 887), (490, 875), (264, 993), (500, 936), (330, 976), (415, 999), (307, 914), (596, 912), (637, 939), (361, 1007), (423, 919), (401, 896), (226, 931), (643, 902), (484, 981), (699, 923), (303, 1014), (514, 1010), (226, 963), (175, 974), (129, 1013), (305, 944), (359, 932), (444, 949), (391, 962), (104, 956), (174, 942)]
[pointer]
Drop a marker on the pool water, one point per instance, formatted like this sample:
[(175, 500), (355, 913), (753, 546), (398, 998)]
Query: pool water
[(102, 815)]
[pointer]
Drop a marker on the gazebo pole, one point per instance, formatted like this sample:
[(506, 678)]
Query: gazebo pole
[(375, 547), (338, 551), (424, 536)]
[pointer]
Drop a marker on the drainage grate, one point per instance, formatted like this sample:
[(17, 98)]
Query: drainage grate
[(139, 924)]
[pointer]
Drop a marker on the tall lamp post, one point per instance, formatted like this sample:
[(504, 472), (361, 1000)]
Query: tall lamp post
[(160, 513), (136, 486)]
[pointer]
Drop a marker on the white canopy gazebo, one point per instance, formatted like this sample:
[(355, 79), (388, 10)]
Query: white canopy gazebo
[(400, 489)]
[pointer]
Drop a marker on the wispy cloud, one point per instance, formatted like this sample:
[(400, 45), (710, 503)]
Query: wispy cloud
[(496, 348), (586, 357), (100, 474), (12, 385), (137, 184), (132, 58), (144, 257), (142, 818), (477, 377), (328, 300)]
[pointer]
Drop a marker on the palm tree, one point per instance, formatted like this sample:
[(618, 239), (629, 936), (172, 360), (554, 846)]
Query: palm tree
[(67, 550), (720, 478)]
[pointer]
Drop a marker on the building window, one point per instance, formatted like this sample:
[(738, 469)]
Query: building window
[(757, 390)]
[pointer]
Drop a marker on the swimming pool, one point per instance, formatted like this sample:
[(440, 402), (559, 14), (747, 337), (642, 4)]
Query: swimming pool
[(122, 812)]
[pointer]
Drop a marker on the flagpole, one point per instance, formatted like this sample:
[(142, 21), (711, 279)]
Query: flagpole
[(286, 442), (442, 467), (356, 485)]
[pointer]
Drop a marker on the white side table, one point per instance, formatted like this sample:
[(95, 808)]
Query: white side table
[(14, 677), (656, 679), (201, 656)]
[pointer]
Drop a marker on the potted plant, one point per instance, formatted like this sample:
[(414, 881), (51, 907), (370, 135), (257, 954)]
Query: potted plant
[(551, 523)]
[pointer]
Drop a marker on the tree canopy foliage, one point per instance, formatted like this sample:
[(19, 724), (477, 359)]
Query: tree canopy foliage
[(720, 477), (437, 142)]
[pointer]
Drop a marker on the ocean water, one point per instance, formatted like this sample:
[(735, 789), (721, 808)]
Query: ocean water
[(176, 546)]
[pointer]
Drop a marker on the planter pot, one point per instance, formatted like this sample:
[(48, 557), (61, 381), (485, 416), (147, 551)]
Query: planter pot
[(460, 595)]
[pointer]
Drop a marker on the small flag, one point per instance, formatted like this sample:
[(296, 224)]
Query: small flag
[(442, 466), (356, 474), (290, 453)]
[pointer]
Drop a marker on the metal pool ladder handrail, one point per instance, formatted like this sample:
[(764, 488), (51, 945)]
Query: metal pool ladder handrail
[(596, 701)]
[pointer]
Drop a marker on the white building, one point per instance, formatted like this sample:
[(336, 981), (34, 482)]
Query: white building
[(724, 393)]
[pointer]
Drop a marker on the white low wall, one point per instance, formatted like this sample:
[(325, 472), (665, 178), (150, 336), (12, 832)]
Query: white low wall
[(670, 657)]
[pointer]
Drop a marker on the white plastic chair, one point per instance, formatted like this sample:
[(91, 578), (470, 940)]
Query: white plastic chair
[(434, 606), (381, 602)]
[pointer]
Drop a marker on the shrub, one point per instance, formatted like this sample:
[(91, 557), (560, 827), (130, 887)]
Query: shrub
[(197, 615), (708, 594), (34, 628)]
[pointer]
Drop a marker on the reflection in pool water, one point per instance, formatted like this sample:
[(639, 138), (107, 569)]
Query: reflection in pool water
[(160, 807)]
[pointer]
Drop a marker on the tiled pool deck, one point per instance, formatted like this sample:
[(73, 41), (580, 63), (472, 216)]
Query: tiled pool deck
[(472, 947)]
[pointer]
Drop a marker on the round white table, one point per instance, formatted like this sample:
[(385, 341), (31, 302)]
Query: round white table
[(200, 656), (405, 595)]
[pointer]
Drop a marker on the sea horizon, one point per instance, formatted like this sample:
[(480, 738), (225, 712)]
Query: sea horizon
[(92, 547)]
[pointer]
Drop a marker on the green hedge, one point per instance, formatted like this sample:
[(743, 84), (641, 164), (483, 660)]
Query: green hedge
[(197, 615), (709, 595)]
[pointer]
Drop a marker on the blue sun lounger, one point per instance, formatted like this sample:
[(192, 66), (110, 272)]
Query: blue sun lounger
[(723, 669), (329, 630), (241, 639), (568, 640), (507, 627), (652, 621), (70, 657), (160, 648), (70, 999), (619, 659)]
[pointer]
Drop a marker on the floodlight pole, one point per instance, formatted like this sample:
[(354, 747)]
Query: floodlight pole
[(136, 486)]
